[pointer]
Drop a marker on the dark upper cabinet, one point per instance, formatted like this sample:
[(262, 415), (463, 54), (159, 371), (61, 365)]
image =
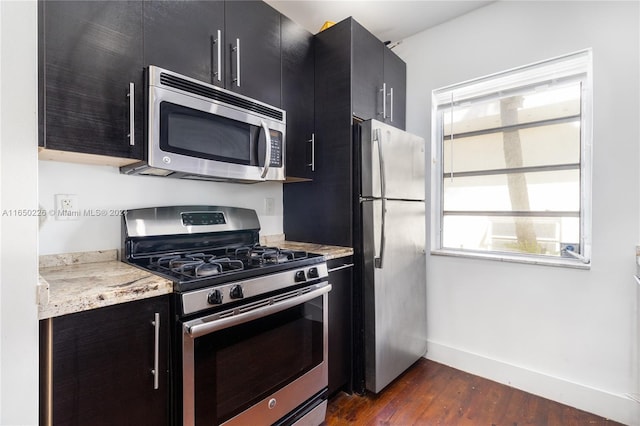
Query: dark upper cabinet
[(379, 80), (395, 77), (320, 211), (90, 56), (351, 68), (232, 44), (297, 98), (186, 37), (252, 34), (102, 365), (368, 77)]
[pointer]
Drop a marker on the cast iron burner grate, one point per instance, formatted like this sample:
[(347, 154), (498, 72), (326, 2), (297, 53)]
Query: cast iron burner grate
[(191, 266)]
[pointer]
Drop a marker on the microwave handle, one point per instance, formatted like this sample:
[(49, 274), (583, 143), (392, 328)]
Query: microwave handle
[(267, 149)]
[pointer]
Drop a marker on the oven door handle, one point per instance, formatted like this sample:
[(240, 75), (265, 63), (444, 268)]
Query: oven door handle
[(203, 326)]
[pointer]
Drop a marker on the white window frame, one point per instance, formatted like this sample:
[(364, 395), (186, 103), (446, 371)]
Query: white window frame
[(574, 65)]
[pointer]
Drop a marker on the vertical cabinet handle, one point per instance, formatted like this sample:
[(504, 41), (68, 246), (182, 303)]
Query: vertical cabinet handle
[(384, 100), (391, 104), (132, 117), (217, 74), (312, 164), (237, 50), (156, 350)]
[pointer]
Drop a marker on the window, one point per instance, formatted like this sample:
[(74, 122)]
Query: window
[(512, 164)]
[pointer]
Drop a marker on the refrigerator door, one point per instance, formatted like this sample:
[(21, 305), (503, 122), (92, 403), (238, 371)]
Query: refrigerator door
[(393, 163), (395, 317)]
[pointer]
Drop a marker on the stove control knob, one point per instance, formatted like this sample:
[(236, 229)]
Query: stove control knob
[(300, 277), (236, 292), (313, 273), (215, 297)]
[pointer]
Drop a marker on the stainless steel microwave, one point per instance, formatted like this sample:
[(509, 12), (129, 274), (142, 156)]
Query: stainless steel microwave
[(195, 130)]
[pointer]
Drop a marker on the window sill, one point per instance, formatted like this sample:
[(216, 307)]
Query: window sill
[(562, 262)]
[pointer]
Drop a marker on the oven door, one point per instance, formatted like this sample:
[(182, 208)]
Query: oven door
[(255, 363)]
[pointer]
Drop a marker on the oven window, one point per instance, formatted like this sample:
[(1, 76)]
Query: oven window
[(200, 134), (239, 366)]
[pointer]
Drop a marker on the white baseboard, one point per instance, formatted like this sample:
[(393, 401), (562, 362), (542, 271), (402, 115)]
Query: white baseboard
[(621, 408)]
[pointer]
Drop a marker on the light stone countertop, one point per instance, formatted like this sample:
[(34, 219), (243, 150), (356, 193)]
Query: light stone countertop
[(73, 286), (75, 282), (329, 252)]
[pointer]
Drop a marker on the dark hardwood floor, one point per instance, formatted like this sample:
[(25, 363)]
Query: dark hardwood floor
[(435, 394)]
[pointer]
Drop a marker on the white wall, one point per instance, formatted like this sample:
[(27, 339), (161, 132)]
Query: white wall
[(18, 235), (103, 187), (569, 335)]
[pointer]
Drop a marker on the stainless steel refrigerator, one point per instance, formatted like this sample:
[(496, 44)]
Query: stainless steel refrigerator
[(393, 259)]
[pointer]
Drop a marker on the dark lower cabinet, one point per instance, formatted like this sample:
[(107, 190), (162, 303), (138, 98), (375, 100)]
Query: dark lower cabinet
[(90, 77), (103, 361), (340, 324)]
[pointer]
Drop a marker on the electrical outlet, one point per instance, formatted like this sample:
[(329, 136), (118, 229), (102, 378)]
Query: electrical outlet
[(269, 206), (67, 207)]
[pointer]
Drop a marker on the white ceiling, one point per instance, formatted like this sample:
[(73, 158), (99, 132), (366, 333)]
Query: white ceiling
[(389, 20)]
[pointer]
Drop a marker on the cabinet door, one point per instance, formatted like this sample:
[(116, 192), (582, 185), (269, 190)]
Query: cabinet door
[(182, 36), (340, 325), (367, 74), (297, 98), (395, 77), (102, 363), (254, 69), (90, 53)]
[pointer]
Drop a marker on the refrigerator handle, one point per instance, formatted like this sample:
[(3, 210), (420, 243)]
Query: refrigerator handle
[(377, 262), (377, 136)]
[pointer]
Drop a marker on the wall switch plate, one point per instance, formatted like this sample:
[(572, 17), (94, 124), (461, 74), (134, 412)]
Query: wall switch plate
[(67, 207)]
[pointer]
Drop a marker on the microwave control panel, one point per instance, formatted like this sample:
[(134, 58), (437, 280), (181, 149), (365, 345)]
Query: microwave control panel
[(276, 148)]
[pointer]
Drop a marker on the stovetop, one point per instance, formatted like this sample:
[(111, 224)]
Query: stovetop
[(213, 256), (216, 266)]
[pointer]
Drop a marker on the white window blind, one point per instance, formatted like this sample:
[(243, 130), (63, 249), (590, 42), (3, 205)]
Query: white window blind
[(512, 163)]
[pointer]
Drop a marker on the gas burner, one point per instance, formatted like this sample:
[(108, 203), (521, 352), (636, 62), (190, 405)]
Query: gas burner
[(217, 266), (208, 269), (258, 255), (196, 265)]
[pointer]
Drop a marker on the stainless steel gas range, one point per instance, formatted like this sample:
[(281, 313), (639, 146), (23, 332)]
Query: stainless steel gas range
[(250, 334)]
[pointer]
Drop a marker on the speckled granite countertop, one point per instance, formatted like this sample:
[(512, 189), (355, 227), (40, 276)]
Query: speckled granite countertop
[(329, 252), (76, 282)]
